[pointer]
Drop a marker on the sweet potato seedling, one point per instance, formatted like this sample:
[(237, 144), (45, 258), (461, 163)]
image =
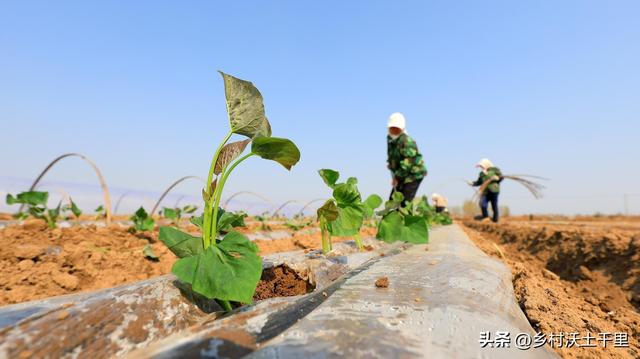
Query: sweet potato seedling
[(36, 202), (344, 214), (142, 221), (402, 222), (175, 214), (223, 264)]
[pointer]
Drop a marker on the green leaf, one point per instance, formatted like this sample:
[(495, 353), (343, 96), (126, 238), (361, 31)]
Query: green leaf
[(370, 204), (348, 223), (347, 193), (330, 177), (276, 149), (148, 252), (169, 213), (396, 227), (188, 209), (141, 213), (20, 216), (328, 211), (245, 108), (197, 220), (147, 224), (229, 152), (74, 209), (230, 220), (32, 198), (100, 209), (229, 270), (397, 197), (180, 243)]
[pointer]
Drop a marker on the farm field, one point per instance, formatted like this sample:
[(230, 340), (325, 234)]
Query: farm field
[(571, 274), (39, 262)]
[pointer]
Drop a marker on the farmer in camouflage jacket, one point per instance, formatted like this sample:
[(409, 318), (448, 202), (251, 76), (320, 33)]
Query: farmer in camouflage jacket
[(404, 160), (489, 177)]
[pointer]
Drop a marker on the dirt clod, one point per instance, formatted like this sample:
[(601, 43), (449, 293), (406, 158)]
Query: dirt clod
[(281, 281), (382, 282)]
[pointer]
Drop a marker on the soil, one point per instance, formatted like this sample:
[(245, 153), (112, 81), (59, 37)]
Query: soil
[(281, 281), (572, 275), (304, 240), (37, 262), (382, 282)]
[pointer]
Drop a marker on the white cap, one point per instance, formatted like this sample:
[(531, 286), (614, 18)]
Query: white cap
[(397, 120), (434, 196), (485, 164)]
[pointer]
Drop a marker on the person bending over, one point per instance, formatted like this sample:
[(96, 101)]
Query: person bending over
[(404, 160)]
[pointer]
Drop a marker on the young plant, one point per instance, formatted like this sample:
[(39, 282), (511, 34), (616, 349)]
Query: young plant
[(37, 207), (73, 208), (142, 222), (100, 212), (175, 214), (264, 226), (296, 225), (223, 264), (402, 223), (344, 214)]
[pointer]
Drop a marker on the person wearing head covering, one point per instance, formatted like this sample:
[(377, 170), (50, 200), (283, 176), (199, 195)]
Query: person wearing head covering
[(491, 176), (403, 159), (440, 203)]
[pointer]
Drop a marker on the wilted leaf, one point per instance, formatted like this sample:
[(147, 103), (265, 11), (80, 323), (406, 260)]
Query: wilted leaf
[(229, 270), (330, 177), (245, 108), (180, 243), (328, 211), (276, 149), (229, 152)]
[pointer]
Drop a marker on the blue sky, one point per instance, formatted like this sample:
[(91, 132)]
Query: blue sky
[(541, 87)]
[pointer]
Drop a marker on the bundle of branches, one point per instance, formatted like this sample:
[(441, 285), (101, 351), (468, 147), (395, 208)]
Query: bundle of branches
[(533, 187)]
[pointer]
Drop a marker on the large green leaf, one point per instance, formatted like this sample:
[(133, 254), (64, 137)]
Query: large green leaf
[(396, 227), (330, 177), (328, 211), (229, 270), (32, 198), (276, 149), (180, 243), (370, 204), (245, 108), (229, 152), (348, 222)]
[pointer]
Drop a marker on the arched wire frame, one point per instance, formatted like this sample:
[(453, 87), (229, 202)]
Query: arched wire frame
[(166, 192), (304, 208), (103, 184), (226, 203), (122, 196), (277, 211)]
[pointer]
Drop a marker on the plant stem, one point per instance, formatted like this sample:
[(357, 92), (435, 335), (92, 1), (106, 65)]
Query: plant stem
[(358, 241), (206, 226), (225, 305), (326, 237), (218, 194)]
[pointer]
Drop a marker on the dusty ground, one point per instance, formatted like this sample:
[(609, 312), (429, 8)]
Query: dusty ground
[(572, 275), (37, 262)]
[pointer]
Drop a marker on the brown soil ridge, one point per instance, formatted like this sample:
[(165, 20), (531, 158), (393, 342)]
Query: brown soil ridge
[(570, 279)]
